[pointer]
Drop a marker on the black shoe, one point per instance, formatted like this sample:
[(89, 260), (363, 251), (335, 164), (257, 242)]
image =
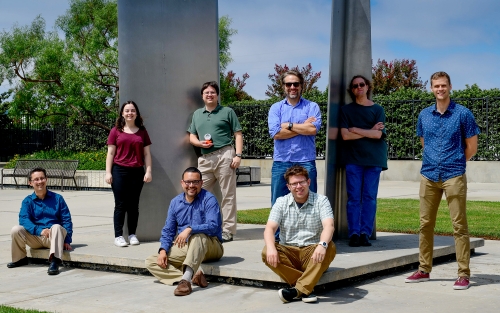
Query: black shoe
[(363, 241), (310, 298), (288, 295), (354, 241), (54, 267), (22, 262)]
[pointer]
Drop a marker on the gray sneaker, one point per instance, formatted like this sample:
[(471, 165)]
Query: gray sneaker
[(227, 236)]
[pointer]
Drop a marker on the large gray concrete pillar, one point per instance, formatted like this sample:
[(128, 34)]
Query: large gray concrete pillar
[(167, 50), (350, 54)]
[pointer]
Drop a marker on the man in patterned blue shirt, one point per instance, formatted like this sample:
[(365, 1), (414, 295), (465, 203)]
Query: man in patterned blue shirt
[(448, 133), (192, 234), (305, 250)]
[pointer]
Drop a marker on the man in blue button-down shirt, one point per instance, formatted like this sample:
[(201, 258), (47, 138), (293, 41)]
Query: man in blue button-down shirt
[(293, 124), (192, 234), (448, 133), (44, 222)]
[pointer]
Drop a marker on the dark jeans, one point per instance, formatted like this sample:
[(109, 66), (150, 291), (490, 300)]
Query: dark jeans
[(127, 186), (362, 188)]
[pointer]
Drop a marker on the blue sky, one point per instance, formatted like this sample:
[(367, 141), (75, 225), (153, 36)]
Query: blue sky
[(461, 37)]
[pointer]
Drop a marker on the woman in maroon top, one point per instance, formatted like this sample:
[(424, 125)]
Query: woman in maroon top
[(128, 152)]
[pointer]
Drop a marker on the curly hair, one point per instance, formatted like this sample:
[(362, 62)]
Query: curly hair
[(120, 121), (367, 82)]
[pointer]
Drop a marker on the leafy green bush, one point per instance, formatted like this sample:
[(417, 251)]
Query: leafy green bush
[(88, 160)]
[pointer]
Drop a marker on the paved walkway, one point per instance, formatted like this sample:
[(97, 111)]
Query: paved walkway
[(77, 290)]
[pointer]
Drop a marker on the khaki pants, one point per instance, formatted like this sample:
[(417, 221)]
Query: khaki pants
[(216, 166), (431, 192), (21, 237), (297, 268), (200, 248)]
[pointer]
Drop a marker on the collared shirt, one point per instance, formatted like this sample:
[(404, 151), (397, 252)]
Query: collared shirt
[(301, 148), (444, 140), (202, 215), (301, 227), (37, 214), (221, 124)]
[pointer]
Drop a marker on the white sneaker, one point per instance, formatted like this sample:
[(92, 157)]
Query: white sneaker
[(120, 242), (133, 240)]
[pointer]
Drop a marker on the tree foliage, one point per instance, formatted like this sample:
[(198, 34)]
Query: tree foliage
[(275, 90), (225, 33), (231, 88), (388, 77), (75, 77)]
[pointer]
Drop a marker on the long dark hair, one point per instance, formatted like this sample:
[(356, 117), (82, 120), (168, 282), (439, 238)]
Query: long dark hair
[(367, 82), (120, 121)]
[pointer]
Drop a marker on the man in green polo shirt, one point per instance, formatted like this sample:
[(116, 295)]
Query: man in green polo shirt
[(212, 129)]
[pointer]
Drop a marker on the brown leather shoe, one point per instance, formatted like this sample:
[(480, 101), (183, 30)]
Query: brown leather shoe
[(199, 279), (183, 288)]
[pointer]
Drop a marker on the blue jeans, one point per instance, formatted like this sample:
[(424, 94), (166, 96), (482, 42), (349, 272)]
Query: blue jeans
[(362, 188), (278, 182)]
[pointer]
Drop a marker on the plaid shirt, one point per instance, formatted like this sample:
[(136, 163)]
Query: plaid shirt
[(301, 227)]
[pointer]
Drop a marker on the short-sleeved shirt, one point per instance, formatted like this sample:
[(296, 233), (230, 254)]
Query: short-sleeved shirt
[(301, 148), (302, 226), (221, 124), (444, 140), (129, 147), (364, 151)]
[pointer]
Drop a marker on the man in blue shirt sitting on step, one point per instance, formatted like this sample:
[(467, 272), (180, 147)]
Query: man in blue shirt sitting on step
[(192, 234), (44, 222)]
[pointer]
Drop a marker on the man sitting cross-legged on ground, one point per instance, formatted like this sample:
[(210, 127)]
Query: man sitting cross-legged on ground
[(44, 222), (305, 250), (192, 234)]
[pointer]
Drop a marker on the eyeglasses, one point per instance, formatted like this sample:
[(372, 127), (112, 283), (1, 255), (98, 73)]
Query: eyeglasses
[(36, 180), (295, 185), (206, 93), (192, 182), (295, 84), (360, 85)]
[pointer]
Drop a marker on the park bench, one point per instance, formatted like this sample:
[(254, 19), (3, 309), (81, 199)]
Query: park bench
[(245, 171), (58, 169)]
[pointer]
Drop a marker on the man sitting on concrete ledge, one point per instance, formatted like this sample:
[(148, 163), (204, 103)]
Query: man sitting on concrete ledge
[(194, 217), (45, 222), (305, 250)]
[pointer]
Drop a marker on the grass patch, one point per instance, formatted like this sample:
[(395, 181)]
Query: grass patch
[(8, 309), (402, 216)]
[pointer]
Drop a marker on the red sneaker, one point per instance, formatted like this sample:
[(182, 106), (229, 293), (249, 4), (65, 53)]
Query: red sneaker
[(462, 283), (417, 277)]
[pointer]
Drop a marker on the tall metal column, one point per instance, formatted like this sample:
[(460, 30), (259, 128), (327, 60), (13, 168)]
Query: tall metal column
[(350, 54), (167, 50)]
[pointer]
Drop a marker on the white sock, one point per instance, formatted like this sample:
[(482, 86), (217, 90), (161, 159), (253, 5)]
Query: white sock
[(188, 274)]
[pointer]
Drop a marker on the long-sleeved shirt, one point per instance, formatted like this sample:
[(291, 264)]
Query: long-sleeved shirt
[(37, 214), (301, 148), (202, 215)]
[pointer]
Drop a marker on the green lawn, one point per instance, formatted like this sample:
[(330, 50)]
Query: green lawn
[(402, 216), (8, 309)]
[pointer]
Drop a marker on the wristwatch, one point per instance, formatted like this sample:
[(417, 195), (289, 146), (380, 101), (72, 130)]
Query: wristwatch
[(290, 125), (238, 155), (323, 244)]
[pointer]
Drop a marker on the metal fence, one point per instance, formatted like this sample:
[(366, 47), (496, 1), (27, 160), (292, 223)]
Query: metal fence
[(29, 134)]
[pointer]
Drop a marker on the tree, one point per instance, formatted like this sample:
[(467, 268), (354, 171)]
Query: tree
[(388, 77), (275, 90), (225, 33), (231, 88), (75, 77)]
